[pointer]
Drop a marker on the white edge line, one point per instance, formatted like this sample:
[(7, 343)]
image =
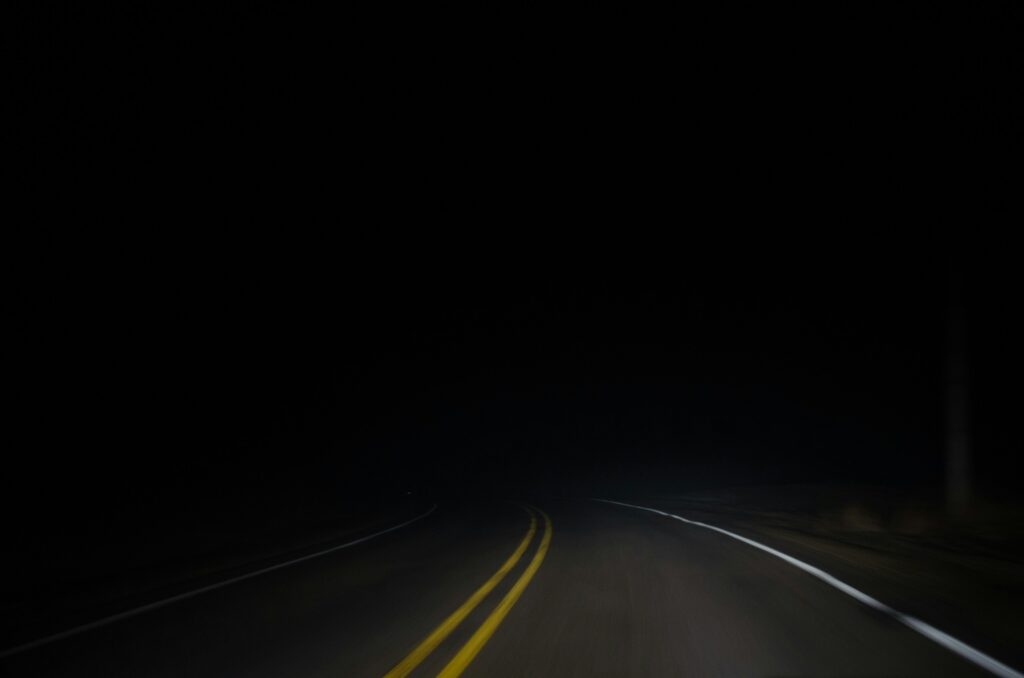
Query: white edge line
[(927, 630), (195, 592)]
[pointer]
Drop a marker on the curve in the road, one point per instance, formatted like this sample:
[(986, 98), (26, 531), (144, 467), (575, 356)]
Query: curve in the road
[(477, 641), (947, 641), (437, 636)]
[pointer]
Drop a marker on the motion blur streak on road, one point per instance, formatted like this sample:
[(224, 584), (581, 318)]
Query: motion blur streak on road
[(621, 593)]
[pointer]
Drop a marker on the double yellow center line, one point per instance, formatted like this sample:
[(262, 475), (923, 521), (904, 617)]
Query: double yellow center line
[(464, 656)]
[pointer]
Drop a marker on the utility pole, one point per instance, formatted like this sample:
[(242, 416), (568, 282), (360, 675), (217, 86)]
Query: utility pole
[(958, 448)]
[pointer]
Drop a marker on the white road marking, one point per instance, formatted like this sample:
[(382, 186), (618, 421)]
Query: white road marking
[(927, 630), (195, 592)]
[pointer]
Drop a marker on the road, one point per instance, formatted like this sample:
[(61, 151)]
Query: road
[(617, 592)]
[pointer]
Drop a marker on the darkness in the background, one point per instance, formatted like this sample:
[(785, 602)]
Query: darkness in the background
[(741, 369), (164, 374)]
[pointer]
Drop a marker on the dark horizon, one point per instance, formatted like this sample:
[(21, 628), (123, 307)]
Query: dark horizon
[(764, 370)]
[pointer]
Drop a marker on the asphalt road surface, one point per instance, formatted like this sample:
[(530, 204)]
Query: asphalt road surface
[(567, 588)]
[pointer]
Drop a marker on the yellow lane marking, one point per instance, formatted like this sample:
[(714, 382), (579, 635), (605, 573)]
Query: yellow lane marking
[(435, 638), (473, 646)]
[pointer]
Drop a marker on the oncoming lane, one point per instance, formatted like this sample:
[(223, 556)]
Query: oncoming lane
[(354, 612)]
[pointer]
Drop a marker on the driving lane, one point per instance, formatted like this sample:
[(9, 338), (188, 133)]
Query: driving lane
[(629, 593)]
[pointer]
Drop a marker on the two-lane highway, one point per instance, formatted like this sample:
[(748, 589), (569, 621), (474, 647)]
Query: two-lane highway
[(565, 588)]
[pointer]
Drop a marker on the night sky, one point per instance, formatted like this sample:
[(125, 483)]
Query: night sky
[(316, 255)]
